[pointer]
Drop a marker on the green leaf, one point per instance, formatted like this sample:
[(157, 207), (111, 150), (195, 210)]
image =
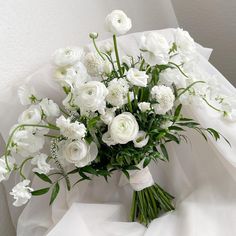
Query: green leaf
[(90, 170), (146, 161), (176, 128), (177, 112), (214, 133), (126, 173), (44, 177), (132, 167), (55, 192), (172, 138), (84, 176), (40, 191), (164, 152), (189, 124)]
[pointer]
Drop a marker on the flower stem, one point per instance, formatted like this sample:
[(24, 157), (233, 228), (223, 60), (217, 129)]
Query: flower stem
[(22, 166), (117, 55), (98, 51)]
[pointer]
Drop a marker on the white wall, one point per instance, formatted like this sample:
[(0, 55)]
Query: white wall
[(213, 24)]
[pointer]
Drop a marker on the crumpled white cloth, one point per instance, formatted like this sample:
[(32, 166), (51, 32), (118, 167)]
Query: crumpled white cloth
[(200, 175)]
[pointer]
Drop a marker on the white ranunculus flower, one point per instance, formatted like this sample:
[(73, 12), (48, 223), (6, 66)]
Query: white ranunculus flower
[(155, 49), (170, 76), (124, 128), (25, 143), (144, 106), (118, 91), (108, 116), (79, 152), (71, 130), (4, 172), (94, 64), (141, 139), (164, 97), (185, 43), (106, 138), (49, 108), (42, 166), (91, 97), (67, 56), (137, 77), (117, 22), (30, 116), (21, 193), (27, 95), (76, 75)]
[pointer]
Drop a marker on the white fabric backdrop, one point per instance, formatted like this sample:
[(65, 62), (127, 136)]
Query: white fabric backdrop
[(200, 175), (31, 30)]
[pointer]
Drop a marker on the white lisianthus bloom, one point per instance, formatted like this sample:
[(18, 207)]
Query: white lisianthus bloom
[(94, 64), (79, 152), (170, 76), (42, 166), (124, 128), (49, 108), (164, 97), (118, 91), (155, 49), (184, 42), (166, 124), (71, 130), (21, 193), (25, 143), (141, 139), (30, 116), (91, 97), (67, 56), (144, 106), (4, 172), (229, 108), (117, 22), (106, 138), (27, 95), (108, 116), (137, 77)]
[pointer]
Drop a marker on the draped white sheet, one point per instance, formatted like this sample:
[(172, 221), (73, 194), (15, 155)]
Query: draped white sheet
[(201, 176)]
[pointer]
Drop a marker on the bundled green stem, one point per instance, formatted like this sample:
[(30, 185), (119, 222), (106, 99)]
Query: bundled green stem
[(149, 203)]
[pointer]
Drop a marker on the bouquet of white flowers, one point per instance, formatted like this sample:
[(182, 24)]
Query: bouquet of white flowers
[(118, 114)]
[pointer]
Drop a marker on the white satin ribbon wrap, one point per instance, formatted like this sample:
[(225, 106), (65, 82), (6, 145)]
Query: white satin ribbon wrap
[(202, 176), (141, 179)]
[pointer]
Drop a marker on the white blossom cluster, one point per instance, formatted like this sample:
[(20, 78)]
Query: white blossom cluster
[(98, 88)]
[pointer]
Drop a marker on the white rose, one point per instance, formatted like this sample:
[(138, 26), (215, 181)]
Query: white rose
[(144, 106), (30, 116), (108, 116), (137, 77), (42, 166), (106, 138), (4, 172), (164, 97), (94, 64), (21, 193), (117, 22), (71, 130), (124, 128), (141, 139), (25, 143), (49, 108), (170, 76), (67, 56), (155, 49), (79, 152), (27, 95), (118, 91), (185, 43), (91, 97)]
